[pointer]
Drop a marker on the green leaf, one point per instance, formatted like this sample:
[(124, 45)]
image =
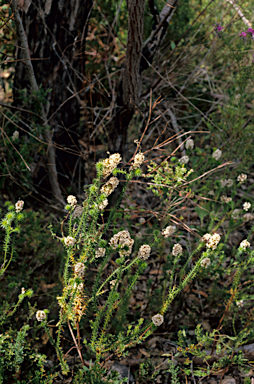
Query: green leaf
[(201, 212), (172, 44)]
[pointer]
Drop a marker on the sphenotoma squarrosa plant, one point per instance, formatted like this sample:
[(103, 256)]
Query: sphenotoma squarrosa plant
[(88, 242)]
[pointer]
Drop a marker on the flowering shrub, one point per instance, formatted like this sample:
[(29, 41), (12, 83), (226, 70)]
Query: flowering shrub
[(90, 243), (104, 251), (87, 243)]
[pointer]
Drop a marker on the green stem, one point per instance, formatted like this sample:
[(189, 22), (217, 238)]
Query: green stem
[(112, 274)]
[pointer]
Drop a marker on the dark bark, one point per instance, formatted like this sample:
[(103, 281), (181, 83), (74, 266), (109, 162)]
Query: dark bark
[(56, 31), (138, 58), (130, 84)]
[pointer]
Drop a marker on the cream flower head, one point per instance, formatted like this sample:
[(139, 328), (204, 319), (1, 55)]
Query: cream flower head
[(213, 241), (168, 231), (189, 144), (144, 252), (19, 205), (138, 160), (71, 200), (217, 154), (205, 262), (246, 206), (110, 186), (110, 164), (123, 239), (241, 178), (184, 160), (177, 250), (40, 315), (69, 241), (245, 244), (100, 252), (157, 319), (79, 269)]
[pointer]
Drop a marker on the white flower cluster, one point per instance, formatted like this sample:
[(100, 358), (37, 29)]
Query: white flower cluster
[(225, 199), (100, 252), (246, 206), (79, 269), (217, 154), (103, 204), (248, 217), (78, 212), (71, 200), (189, 144), (113, 283), (110, 164), (211, 240), (177, 250), (241, 178), (144, 252), (245, 244), (206, 237), (184, 160), (79, 287), (168, 231), (240, 303), (122, 238), (226, 183), (69, 241), (236, 214), (19, 205), (157, 319), (40, 315), (205, 262), (15, 136), (138, 160), (110, 186)]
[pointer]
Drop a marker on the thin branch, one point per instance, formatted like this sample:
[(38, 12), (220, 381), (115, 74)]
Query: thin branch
[(164, 17), (20, 109), (16, 149), (177, 130), (75, 342)]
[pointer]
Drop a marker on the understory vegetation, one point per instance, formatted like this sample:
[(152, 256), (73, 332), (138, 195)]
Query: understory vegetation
[(140, 268)]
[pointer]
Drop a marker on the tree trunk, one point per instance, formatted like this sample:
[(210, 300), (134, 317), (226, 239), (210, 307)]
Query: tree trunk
[(130, 84), (138, 58)]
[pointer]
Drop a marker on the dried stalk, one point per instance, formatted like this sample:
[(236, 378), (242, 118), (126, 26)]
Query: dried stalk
[(177, 130), (75, 342)]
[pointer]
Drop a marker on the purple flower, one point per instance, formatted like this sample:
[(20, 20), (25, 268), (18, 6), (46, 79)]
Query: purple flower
[(217, 28), (243, 34), (250, 30)]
